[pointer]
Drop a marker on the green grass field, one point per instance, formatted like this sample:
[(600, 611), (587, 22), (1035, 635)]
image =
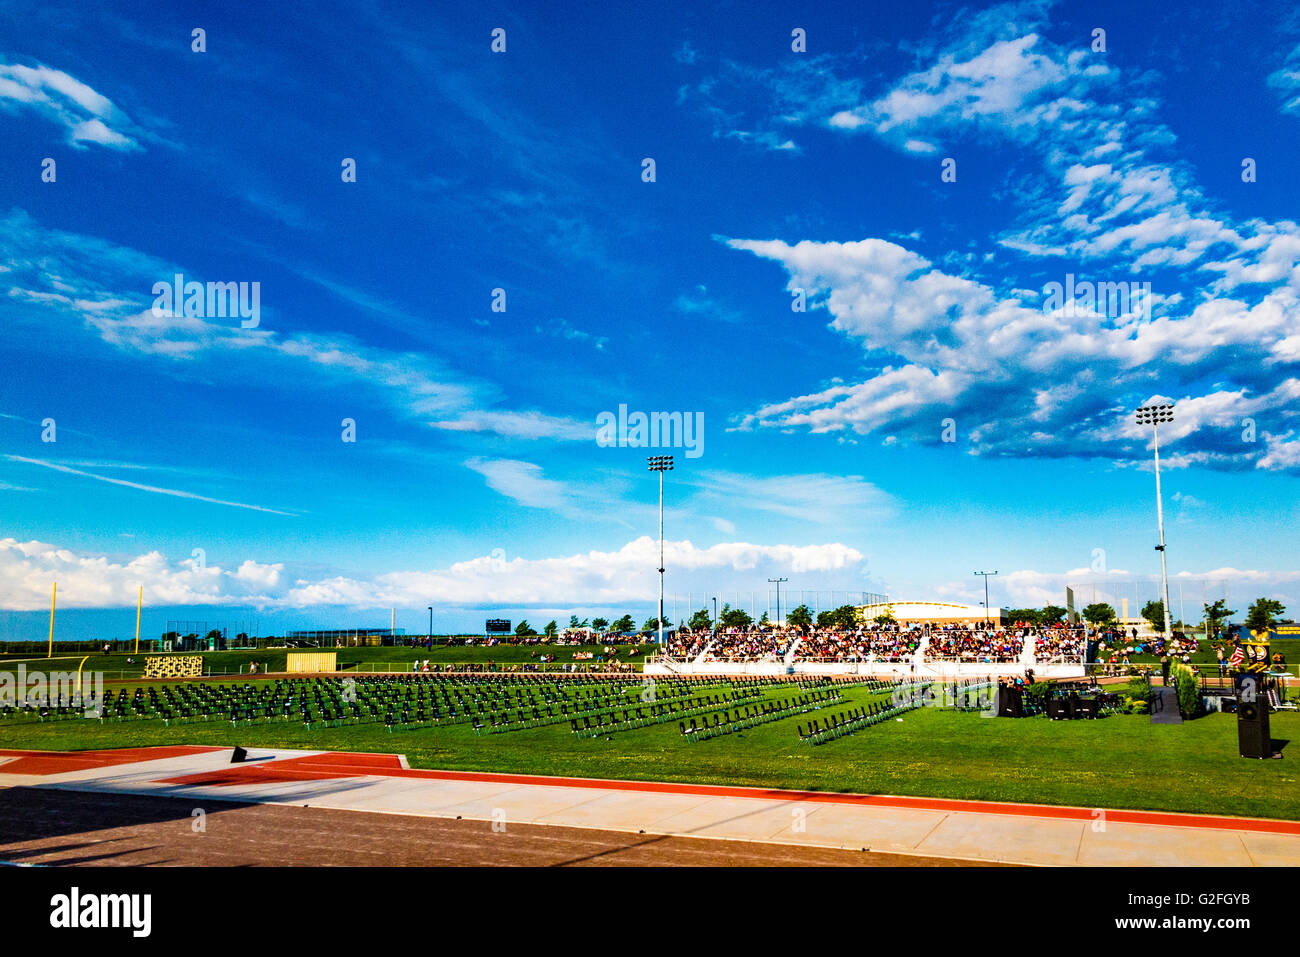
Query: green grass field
[(1115, 762)]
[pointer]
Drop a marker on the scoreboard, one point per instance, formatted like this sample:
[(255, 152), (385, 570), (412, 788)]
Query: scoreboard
[(497, 626)]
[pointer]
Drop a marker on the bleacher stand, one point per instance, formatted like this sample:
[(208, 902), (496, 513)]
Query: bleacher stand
[(174, 666)]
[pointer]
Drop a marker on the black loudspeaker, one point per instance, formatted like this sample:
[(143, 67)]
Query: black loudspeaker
[(1058, 709), (239, 756), (1010, 702), (1085, 708), (1252, 729), (1228, 705)]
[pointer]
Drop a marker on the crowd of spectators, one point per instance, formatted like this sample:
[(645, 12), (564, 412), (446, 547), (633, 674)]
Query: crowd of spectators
[(965, 643), (868, 643), (884, 642), (1060, 643), (734, 644)]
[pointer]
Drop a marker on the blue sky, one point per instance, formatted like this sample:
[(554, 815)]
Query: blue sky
[(206, 460)]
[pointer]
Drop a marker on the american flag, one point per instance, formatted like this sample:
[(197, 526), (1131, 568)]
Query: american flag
[(1238, 656)]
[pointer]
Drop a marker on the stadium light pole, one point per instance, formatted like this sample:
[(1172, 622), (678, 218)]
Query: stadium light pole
[(430, 626), (778, 597), (1153, 415), (986, 593), (716, 623), (661, 464)]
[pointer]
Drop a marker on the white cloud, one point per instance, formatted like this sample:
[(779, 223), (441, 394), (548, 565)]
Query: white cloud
[(85, 114), (522, 481), (628, 574), (947, 346), (1001, 82), (28, 569), (522, 425)]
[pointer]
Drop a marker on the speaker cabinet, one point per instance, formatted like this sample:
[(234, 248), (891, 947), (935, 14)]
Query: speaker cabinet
[(1253, 739), (1010, 702)]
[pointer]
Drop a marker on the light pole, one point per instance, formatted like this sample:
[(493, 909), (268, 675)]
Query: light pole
[(1153, 415), (778, 597), (661, 464), (430, 626), (716, 624), (986, 594)]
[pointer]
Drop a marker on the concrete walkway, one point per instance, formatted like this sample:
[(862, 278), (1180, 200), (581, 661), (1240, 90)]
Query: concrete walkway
[(928, 827)]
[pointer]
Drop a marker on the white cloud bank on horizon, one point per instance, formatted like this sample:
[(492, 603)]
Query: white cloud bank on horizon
[(586, 579), (87, 580)]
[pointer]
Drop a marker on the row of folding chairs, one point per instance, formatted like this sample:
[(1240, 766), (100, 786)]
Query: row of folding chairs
[(661, 709), (690, 708), (837, 726), (726, 723)]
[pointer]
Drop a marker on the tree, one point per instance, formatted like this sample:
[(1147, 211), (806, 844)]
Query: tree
[(600, 624), (800, 617), (575, 623), (846, 617), (1154, 612), (735, 617), (525, 630), (213, 635), (652, 624), (170, 635), (550, 629), (700, 621), (626, 623), (825, 619), (1263, 614), (1031, 615), (1099, 613), (1051, 614), (763, 621), (1215, 615)]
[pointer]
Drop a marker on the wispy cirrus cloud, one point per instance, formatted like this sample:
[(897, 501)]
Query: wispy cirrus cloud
[(139, 486), (104, 289), (1286, 80), (843, 500)]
